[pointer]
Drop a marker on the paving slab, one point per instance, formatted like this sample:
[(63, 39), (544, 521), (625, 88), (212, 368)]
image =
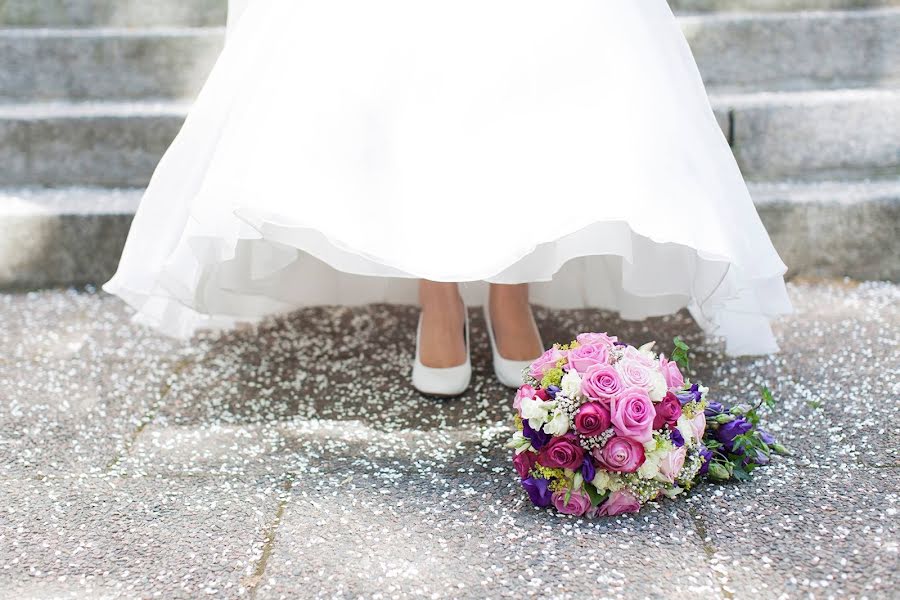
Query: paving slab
[(95, 537), (332, 488)]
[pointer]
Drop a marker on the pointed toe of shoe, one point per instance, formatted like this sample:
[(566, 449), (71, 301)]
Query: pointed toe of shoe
[(445, 382), (509, 372)]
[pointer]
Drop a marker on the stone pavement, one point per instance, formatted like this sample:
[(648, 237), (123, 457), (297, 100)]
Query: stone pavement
[(296, 461)]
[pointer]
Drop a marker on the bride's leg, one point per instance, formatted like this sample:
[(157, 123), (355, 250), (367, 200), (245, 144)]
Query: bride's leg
[(442, 344), (512, 321)]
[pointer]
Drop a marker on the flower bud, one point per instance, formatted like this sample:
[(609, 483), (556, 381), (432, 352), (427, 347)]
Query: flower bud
[(779, 448), (718, 472), (721, 419)]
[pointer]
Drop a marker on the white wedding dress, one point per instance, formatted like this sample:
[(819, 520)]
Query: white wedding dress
[(340, 150)]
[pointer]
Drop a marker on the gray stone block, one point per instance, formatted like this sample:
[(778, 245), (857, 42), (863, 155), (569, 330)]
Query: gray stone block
[(103, 145), (105, 64), (796, 51), (114, 13), (830, 229), (816, 135), (775, 5), (62, 237)]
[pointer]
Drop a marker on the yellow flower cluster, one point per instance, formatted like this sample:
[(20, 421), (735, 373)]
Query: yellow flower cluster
[(557, 477), (692, 409), (552, 377)]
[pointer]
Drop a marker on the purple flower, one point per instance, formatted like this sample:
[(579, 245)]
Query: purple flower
[(551, 390), (714, 408), (538, 437), (705, 454), (767, 438), (759, 458), (538, 490), (691, 395), (676, 438), (728, 431), (588, 471)]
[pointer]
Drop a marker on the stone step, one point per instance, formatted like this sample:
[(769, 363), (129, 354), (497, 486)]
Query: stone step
[(115, 13), (837, 134), (775, 5), (736, 52), (192, 13), (74, 236), (844, 134), (105, 64)]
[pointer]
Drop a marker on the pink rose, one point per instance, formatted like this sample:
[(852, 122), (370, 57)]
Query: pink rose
[(583, 357), (545, 362), (579, 502), (632, 354), (601, 382), (592, 419), (561, 453), (524, 462), (619, 503), (632, 415), (669, 368), (635, 373), (671, 464), (620, 454), (667, 412), (526, 391), (596, 339), (698, 424)]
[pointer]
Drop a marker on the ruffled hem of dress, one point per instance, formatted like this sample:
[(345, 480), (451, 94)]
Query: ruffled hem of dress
[(268, 268)]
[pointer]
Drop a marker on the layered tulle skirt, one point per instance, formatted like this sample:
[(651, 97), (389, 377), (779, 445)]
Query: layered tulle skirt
[(341, 150)]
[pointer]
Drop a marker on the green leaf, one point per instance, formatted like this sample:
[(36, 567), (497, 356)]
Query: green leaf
[(767, 397), (680, 355), (740, 473), (596, 497)]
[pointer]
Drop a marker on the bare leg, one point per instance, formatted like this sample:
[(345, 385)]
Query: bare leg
[(512, 320), (442, 344)]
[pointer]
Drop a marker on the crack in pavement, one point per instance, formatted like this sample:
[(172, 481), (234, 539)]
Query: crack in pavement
[(252, 582), (150, 415), (710, 550)]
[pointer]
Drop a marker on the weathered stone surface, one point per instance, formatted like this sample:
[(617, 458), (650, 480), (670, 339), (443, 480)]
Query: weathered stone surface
[(256, 462), (94, 537), (109, 64), (816, 135), (113, 13), (776, 5)]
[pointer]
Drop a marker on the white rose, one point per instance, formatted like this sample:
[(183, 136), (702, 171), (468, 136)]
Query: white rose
[(601, 481), (658, 387)]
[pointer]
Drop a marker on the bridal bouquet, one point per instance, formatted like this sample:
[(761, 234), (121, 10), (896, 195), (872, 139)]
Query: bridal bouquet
[(604, 427)]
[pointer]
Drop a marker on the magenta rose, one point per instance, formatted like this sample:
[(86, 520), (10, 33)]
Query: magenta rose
[(578, 504), (669, 368), (601, 382), (526, 391), (619, 503), (667, 412), (592, 419), (584, 357), (620, 454), (596, 339), (561, 453), (545, 362), (524, 462), (632, 415)]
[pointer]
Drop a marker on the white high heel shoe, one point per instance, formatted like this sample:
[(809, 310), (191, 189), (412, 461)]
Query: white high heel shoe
[(442, 382), (509, 372)]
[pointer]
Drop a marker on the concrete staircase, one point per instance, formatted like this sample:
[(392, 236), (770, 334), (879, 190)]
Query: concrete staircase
[(93, 91)]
